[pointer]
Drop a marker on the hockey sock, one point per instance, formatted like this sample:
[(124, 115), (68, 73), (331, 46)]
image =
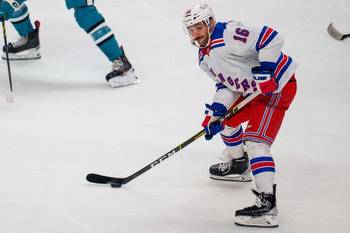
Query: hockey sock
[(262, 166), (232, 138), (94, 24), (21, 21)]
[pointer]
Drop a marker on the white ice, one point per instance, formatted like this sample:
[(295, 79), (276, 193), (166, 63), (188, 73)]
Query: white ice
[(66, 122)]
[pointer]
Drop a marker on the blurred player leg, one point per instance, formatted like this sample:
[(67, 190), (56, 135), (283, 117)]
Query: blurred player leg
[(27, 47), (264, 212), (93, 23), (262, 129)]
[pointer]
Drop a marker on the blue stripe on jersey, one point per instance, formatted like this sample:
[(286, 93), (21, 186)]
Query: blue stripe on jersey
[(284, 68), (217, 45), (218, 31), (267, 39), (220, 86), (279, 59), (266, 65)]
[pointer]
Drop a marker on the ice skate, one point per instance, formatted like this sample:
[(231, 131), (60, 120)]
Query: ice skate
[(262, 214), (122, 74), (237, 170), (25, 48)]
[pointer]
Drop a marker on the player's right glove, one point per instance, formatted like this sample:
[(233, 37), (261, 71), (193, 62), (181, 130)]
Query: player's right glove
[(266, 84), (210, 124)]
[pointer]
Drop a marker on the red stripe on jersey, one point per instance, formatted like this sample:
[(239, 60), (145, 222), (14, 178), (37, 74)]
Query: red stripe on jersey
[(216, 41), (280, 66), (266, 36)]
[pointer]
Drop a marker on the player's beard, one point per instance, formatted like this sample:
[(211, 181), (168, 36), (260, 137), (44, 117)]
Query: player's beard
[(203, 41)]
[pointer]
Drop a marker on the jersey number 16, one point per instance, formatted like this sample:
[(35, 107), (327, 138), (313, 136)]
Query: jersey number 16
[(241, 35)]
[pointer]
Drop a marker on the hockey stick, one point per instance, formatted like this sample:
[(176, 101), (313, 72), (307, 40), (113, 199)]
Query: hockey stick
[(9, 96), (118, 182), (335, 33)]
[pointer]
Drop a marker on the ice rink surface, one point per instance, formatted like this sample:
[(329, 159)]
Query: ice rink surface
[(66, 122)]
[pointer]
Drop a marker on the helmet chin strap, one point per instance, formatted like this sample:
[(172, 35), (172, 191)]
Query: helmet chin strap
[(195, 43)]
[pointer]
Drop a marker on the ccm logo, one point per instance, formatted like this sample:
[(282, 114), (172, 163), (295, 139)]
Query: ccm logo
[(163, 158)]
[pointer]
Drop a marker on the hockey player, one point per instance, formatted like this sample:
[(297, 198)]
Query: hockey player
[(242, 60), (93, 23), (27, 47)]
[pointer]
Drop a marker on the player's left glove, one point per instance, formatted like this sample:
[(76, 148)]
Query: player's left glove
[(7, 7), (266, 84), (210, 124)]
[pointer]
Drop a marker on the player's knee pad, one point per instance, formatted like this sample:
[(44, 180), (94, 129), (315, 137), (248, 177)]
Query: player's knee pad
[(88, 18), (257, 149), (79, 3)]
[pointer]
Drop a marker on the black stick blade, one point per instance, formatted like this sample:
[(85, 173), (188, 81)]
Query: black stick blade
[(335, 33), (99, 179)]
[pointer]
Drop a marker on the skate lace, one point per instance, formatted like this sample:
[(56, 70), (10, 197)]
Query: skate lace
[(258, 204), (20, 42), (225, 166), (117, 64)]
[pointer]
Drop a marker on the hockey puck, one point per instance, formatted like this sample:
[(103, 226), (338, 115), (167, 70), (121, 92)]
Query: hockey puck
[(116, 185)]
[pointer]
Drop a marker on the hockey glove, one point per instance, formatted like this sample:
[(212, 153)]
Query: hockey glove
[(7, 7), (210, 124), (266, 84)]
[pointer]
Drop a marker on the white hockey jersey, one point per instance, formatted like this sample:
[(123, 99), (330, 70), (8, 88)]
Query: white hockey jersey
[(235, 49)]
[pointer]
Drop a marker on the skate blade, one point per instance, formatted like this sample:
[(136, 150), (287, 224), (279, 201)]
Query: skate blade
[(236, 178), (31, 54), (128, 79), (116, 84), (266, 221)]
